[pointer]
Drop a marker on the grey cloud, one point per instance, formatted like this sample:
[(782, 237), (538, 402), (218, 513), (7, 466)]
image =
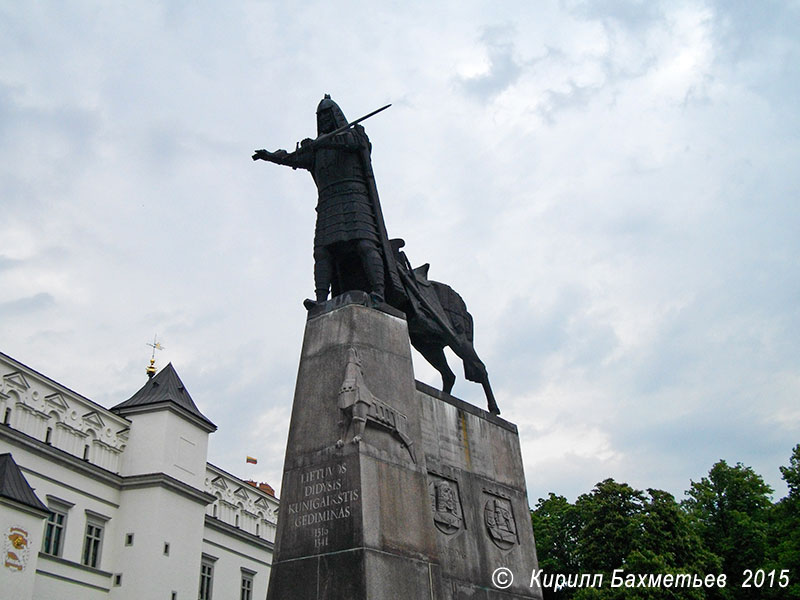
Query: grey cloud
[(633, 14), (75, 125), (59, 141), (38, 302), (742, 27), (224, 247), (533, 335), (714, 431), (503, 71), (575, 97), (758, 42), (8, 263)]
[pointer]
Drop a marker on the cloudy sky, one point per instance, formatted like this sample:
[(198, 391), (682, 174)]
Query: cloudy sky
[(609, 185)]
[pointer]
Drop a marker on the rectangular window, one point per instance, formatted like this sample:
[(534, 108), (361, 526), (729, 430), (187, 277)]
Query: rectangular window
[(206, 579), (92, 544), (247, 586), (166, 548), (54, 531), (129, 539)]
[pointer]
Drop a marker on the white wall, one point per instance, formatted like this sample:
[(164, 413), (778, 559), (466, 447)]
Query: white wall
[(151, 442), (18, 572), (232, 555), (163, 442), (156, 516)]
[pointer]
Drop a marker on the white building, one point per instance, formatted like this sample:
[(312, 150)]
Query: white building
[(121, 502)]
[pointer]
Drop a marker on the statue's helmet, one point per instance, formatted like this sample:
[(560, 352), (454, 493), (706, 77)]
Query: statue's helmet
[(329, 116)]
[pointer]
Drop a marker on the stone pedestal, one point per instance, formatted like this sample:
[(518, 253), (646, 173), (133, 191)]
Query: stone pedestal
[(392, 490)]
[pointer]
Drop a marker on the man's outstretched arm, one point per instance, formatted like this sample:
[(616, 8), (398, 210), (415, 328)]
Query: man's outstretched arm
[(296, 160)]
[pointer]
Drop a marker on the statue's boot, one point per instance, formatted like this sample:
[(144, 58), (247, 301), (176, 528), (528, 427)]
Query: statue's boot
[(377, 298)]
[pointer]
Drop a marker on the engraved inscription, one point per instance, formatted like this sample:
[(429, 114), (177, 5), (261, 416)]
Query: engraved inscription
[(325, 499)]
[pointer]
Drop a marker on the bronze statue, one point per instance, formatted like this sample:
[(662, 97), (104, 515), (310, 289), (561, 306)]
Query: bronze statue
[(351, 250), (438, 317)]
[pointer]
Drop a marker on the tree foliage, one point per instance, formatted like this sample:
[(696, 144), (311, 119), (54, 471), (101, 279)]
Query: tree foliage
[(784, 531), (726, 524), (730, 508)]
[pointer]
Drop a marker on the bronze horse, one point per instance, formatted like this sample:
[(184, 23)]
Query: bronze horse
[(438, 317)]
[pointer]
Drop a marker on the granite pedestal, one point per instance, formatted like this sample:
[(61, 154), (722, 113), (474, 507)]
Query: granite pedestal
[(391, 489)]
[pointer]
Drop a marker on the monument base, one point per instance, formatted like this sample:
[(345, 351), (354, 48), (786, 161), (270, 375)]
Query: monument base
[(392, 490)]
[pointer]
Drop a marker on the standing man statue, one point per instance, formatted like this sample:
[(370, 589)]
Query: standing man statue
[(353, 252), (351, 248)]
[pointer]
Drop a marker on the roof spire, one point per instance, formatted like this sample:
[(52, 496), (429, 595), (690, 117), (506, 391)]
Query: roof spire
[(151, 370), (164, 391)]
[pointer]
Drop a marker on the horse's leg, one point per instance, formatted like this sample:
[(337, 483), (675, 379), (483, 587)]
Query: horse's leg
[(475, 370), (493, 408), (434, 354)]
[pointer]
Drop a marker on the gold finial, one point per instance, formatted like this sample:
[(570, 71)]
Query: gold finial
[(151, 370)]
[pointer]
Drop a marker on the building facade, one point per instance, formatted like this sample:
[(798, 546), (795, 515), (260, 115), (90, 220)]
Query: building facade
[(121, 502)]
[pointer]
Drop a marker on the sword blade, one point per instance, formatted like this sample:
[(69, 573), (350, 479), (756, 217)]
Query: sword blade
[(347, 126)]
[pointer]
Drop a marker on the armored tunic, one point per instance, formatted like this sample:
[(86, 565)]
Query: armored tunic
[(351, 247), (344, 209)]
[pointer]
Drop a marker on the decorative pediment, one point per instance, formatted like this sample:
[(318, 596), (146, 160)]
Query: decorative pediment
[(92, 418), (70, 429), (262, 502), (219, 482), (241, 493), (57, 401), (16, 380), (124, 433)]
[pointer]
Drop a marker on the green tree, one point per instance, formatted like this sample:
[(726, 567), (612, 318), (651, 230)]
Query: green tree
[(784, 548), (667, 532), (791, 474), (659, 540), (556, 529), (555, 524), (730, 510), (667, 544), (617, 527), (610, 525)]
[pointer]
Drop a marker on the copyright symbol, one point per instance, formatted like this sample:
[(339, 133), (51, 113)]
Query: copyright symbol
[(502, 578)]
